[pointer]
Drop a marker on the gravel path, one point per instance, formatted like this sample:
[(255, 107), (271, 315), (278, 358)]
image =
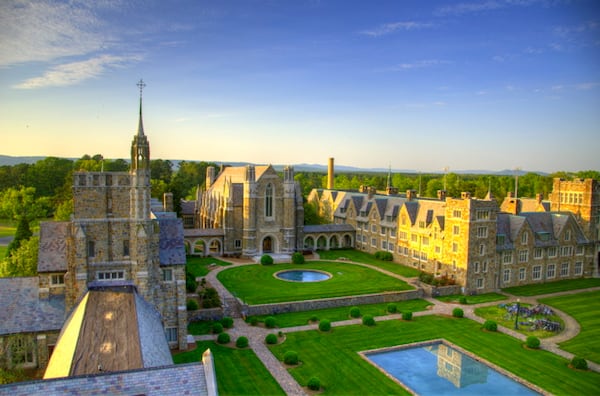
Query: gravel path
[(256, 335)]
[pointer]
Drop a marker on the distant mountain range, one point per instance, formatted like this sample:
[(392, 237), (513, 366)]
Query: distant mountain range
[(9, 160)]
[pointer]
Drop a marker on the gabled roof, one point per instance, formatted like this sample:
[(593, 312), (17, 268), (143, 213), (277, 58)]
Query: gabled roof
[(412, 208), (381, 204), (312, 229), (23, 311), (188, 207), (52, 252), (171, 249), (237, 174)]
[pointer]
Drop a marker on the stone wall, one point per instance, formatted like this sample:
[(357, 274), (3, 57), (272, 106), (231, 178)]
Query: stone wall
[(205, 314), (440, 291)]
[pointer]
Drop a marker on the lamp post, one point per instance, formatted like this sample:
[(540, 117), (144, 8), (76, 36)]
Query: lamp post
[(517, 318)]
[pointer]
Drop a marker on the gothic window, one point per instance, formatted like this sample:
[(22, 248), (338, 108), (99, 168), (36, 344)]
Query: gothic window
[(126, 248), (91, 249), (171, 334), (550, 271), (269, 200)]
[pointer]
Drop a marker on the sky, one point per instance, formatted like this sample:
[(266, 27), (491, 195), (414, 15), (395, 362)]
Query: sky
[(415, 85)]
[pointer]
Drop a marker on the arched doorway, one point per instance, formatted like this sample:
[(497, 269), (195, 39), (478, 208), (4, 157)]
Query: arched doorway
[(215, 247), (347, 241), (309, 243), (267, 245), (333, 242), (199, 248)]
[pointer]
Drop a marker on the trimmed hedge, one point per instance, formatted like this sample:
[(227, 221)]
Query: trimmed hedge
[(269, 322), (314, 384), (355, 312), (458, 313), (241, 342), (290, 357), (579, 363), (462, 300), (368, 320), (383, 255), (392, 308), (266, 260), (490, 325), (297, 258), (223, 338), (271, 339), (227, 322), (217, 328), (532, 342), (191, 305), (314, 319), (325, 325), (407, 315)]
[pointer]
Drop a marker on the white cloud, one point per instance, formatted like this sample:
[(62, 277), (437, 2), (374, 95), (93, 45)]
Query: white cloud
[(417, 65), (388, 28), (75, 72), (483, 6)]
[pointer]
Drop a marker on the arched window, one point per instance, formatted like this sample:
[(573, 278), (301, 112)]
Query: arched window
[(269, 200)]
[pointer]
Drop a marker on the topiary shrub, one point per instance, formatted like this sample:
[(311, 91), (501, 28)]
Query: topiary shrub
[(269, 322), (462, 300), (191, 305), (190, 283), (253, 320), (223, 338), (271, 339), (227, 322), (297, 258), (314, 384), (532, 342), (290, 357), (266, 260), (490, 325), (241, 342), (406, 315), (368, 320), (392, 308), (325, 325), (314, 318), (579, 363), (217, 328), (383, 255), (458, 313), (355, 312), (210, 298)]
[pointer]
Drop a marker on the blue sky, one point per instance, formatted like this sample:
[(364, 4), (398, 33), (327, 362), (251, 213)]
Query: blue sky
[(422, 85)]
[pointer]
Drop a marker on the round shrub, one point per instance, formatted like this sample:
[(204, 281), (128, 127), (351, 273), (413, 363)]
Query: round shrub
[(407, 315), (325, 325), (579, 363), (314, 318), (392, 308), (217, 328), (191, 305), (490, 325), (297, 258), (223, 338), (227, 322), (290, 357), (314, 384), (271, 339), (241, 342), (368, 320), (269, 322), (532, 342), (462, 300), (266, 259), (355, 312), (458, 313), (253, 320)]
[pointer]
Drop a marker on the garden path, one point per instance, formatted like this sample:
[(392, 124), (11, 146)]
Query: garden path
[(256, 335)]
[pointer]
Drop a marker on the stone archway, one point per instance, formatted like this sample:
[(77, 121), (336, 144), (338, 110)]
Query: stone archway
[(333, 242), (322, 243), (347, 241), (215, 247), (309, 243), (199, 248)]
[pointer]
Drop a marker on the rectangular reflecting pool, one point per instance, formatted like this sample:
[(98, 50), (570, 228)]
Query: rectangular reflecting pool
[(440, 368)]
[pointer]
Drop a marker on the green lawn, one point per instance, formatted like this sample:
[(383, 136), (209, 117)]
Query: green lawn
[(200, 327), (477, 299), (239, 371), (256, 284), (342, 313), (198, 266), (7, 228), (585, 308), (362, 257), (333, 358), (553, 287), (501, 316), (3, 250)]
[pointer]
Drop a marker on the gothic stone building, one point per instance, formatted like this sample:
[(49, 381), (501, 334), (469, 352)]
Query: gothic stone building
[(245, 211), (476, 242)]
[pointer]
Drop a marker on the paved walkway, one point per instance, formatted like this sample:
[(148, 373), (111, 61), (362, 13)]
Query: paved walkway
[(256, 335)]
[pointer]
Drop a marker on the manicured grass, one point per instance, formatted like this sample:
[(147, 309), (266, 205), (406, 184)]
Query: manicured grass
[(501, 316), (585, 308), (342, 313), (239, 371), (553, 287), (477, 299), (362, 257), (3, 250), (333, 356), (7, 228), (256, 284), (200, 327), (198, 266)]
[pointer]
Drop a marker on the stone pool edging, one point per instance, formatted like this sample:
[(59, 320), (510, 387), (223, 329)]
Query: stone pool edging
[(311, 270), (420, 344)]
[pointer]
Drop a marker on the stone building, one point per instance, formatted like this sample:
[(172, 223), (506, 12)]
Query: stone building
[(479, 244), (245, 211)]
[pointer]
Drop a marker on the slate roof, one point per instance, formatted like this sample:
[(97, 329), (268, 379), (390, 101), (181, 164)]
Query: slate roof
[(311, 229), (22, 311), (171, 247), (181, 379), (188, 207), (52, 252)]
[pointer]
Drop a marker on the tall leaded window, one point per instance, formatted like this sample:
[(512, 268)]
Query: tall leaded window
[(269, 200)]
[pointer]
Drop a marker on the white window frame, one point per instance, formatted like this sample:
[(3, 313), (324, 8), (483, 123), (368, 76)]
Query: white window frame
[(536, 272), (564, 269), (506, 276), (551, 271), (167, 275), (171, 334), (106, 276), (578, 267)]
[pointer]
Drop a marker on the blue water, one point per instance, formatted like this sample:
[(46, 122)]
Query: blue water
[(303, 276), (441, 370)]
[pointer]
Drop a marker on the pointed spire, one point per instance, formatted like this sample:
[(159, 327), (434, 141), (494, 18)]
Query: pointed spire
[(141, 84)]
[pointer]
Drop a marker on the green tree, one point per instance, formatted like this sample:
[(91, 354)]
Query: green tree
[(20, 205), (23, 260), (48, 175)]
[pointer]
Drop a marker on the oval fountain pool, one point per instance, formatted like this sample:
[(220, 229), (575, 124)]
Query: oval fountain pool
[(302, 275)]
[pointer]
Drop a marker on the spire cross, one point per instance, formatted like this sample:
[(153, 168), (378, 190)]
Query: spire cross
[(141, 84)]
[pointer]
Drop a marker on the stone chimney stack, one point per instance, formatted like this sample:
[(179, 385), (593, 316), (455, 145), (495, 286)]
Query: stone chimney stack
[(168, 202), (411, 194), (330, 175), (210, 176), (371, 191), (465, 195), (441, 195)]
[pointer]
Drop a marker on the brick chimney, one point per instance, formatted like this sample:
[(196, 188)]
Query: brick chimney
[(441, 195)]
